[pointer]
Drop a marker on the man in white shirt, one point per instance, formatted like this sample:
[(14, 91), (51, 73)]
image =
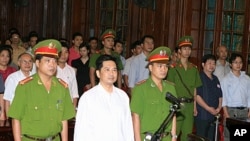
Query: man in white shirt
[(135, 49), (222, 66), (103, 111), (139, 63), (25, 62), (235, 89), (67, 73)]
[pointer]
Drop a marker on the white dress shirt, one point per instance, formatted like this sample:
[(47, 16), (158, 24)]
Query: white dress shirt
[(68, 74), (138, 70), (236, 90), (221, 71), (11, 84), (103, 116)]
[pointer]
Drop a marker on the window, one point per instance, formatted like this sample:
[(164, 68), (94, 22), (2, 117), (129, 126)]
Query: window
[(232, 24), (114, 14)]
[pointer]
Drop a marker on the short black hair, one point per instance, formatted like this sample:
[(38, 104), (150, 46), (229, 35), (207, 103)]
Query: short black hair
[(118, 41), (84, 45), (234, 56), (102, 58), (134, 44), (64, 44), (33, 34), (76, 34), (146, 36), (208, 57), (93, 38), (12, 33)]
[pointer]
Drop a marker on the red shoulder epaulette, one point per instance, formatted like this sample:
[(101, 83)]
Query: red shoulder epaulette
[(172, 65), (65, 85), (25, 80), (141, 82)]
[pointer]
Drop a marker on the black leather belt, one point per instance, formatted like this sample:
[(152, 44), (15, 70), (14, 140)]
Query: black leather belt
[(239, 108), (186, 100), (39, 139)]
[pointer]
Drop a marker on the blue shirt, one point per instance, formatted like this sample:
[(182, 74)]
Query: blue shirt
[(236, 90), (210, 92), (138, 70)]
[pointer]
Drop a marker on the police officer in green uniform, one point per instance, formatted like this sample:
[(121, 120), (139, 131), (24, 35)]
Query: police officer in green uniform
[(42, 103), (148, 105), (186, 77), (107, 38)]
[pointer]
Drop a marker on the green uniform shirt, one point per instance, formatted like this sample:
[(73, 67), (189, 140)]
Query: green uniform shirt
[(41, 112), (151, 106), (93, 58), (192, 80), (190, 77)]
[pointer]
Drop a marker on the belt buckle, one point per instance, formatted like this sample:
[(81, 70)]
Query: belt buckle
[(49, 139)]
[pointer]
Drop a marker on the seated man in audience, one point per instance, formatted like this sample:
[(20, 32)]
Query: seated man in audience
[(25, 62)]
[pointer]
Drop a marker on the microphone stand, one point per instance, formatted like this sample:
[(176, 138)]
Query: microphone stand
[(157, 135), (216, 127)]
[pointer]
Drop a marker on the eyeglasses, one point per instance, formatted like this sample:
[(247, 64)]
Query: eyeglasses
[(26, 62)]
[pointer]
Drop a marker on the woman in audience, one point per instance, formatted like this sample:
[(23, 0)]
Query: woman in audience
[(5, 71), (82, 69)]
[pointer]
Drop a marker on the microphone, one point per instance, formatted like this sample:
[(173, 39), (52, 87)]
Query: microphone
[(172, 99)]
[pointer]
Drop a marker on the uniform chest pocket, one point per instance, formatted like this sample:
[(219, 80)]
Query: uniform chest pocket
[(35, 112), (152, 103), (59, 105)]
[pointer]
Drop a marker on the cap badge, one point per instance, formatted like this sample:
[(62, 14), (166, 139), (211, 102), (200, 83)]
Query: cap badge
[(187, 40), (51, 45), (163, 53)]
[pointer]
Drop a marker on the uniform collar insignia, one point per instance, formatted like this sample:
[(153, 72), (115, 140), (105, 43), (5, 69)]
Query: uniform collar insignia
[(39, 82)]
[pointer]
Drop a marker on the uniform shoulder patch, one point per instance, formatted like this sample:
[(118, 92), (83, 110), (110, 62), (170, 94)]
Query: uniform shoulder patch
[(141, 82), (65, 85), (169, 82), (172, 65), (26, 80), (193, 65)]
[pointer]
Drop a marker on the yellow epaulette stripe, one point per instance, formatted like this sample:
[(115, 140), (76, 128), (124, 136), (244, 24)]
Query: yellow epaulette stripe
[(141, 82), (25, 80), (65, 85)]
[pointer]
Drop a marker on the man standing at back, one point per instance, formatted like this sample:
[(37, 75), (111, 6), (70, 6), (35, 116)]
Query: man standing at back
[(186, 77), (107, 38), (136, 50), (67, 73), (222, 66), (42, 103), (139, 63)]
